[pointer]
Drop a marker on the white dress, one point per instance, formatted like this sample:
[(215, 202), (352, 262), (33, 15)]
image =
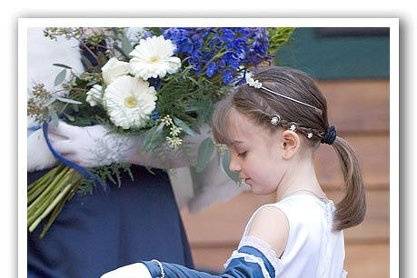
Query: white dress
[(313, 250)]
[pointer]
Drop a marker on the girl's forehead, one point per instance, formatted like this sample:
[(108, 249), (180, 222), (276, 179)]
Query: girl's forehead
[(241, 128)]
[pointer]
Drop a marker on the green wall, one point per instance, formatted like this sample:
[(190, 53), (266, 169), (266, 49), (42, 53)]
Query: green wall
[(345, 56)]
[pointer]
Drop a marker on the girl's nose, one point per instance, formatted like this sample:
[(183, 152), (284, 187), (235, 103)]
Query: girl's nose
[(234, 164)]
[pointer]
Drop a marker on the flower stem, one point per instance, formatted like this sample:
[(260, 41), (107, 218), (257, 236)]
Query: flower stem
[(47, 191), (37, 187), (50, 207), (40, 204), (58, 208)]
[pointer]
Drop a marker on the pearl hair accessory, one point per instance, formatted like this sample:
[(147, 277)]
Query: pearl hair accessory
[(275, 119), (252, 82)]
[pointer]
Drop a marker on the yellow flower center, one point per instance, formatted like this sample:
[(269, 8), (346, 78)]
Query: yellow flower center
[(131, 102), (154, 59)]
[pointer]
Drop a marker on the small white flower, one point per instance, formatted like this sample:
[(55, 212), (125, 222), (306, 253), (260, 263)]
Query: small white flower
[(129, 101), (114, 69), (175, 131), (174, 142), (293, 127), (310, 135), (167, 121), (95, 95), (252, 82), (152, 57), (134, 34)]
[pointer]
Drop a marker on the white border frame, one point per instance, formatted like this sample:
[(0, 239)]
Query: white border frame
[(392, 23)]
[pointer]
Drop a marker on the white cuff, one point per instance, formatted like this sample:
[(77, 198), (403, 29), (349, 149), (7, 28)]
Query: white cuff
[(138, 270)]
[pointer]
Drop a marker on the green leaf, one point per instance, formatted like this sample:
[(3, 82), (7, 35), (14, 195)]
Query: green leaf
[(60, 77), (54, 119), (278, 36), (154, 137), (225, 161), (75, 108), (101, 59), (62, 66), (126, 46), (184, 126), (67, 100), (205, 152), (69, 117), (156, 31)]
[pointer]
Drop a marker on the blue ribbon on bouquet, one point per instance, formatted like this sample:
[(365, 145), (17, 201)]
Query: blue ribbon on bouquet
[(80, 169)]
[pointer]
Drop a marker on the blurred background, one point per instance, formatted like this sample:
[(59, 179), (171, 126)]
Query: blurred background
[(351, 66)]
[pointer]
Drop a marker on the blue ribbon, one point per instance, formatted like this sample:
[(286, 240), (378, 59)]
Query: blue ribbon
[(83, 171)]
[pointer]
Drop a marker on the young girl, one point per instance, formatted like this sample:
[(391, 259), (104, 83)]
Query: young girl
[(273, 126)]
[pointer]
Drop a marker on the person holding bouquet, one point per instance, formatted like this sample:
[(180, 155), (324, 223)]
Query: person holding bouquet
[(97, 232)]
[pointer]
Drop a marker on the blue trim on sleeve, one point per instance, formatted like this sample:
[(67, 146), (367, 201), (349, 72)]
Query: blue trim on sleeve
[(153, 268), (237, 268), (255, 252)]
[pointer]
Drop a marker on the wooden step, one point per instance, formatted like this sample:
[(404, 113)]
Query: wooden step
[(372, 152), (223, 223), (357, 106)]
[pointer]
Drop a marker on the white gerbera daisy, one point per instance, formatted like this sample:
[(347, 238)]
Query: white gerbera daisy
[(152, 57), (114, 69), (129, 101)]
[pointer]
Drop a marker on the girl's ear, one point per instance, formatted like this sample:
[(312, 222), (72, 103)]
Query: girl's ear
[(290, 143)]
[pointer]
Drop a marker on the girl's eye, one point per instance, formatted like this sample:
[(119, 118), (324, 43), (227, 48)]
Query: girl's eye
[(242, 154)]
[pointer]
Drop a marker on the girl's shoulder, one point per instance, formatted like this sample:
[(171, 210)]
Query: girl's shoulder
[(269, 224)]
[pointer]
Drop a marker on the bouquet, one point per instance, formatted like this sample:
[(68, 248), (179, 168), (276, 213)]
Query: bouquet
[(159, 83)]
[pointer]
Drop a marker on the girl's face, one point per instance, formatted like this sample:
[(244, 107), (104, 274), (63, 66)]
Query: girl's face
[(256, 154)]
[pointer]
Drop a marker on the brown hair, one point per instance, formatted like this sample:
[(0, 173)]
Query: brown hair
[(260, 106)]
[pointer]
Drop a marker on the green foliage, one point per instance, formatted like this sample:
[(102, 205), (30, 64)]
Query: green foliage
[(189, 98), (110, 174), (205, 152), (60, 77), (225, 161), (278, 36), (154, 137)]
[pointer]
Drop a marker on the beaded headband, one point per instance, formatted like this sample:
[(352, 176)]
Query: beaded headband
[(256, 84), (328, 137)]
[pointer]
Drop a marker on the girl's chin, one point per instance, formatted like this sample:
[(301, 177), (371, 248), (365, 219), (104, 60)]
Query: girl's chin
[(259, 189)]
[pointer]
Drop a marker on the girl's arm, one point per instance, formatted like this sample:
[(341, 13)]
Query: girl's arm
[(257, 255)]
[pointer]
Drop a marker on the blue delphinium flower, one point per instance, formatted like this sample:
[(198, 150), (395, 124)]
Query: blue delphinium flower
[(222, 51), (211, 69), (227, 77)]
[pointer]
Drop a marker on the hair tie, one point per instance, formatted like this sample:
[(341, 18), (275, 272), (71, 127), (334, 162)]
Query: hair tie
[(329, 136)]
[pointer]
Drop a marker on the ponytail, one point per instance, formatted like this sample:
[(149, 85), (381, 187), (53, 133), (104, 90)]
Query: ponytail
[(351, 210)]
